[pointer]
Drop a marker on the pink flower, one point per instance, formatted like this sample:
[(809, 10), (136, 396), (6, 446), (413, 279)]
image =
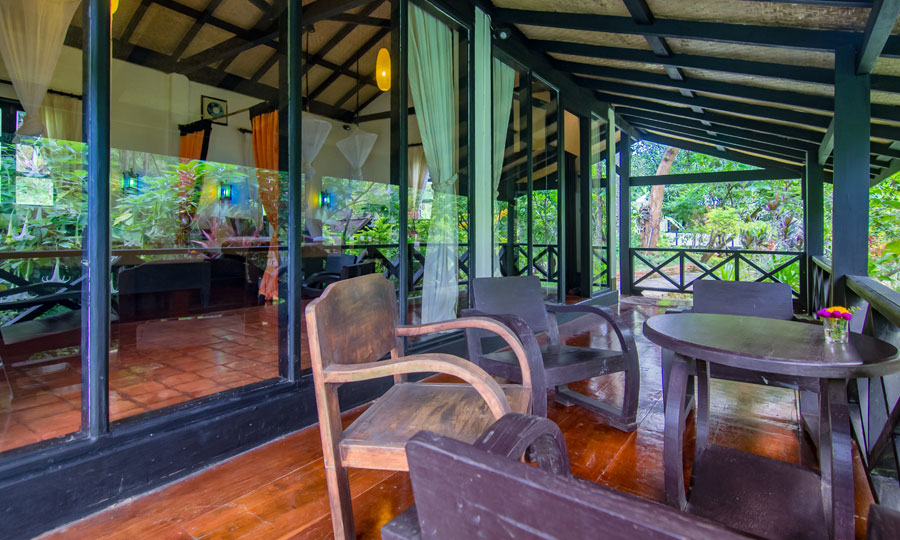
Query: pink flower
[(847, 316)]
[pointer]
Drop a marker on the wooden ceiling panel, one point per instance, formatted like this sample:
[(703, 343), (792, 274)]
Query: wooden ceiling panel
[(600, 7), (161, 29), (336, 91), (763, 13), (887, 66), (350, 44), (271, 77), (121, 18), (246, 63), (885, 98), (199, 5), (794, 57), (761, 82), (623, 64), (239, 13), (209, 36), (582, 36), (324, 31), (760, 102), (383, 11), (314, 77)]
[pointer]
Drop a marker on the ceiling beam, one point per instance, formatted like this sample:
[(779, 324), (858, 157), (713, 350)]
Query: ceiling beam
[(731, 155), (318, 56), (195, 29), (827, 144), (326, 9), (361, 20), (371, 42), (786, 97), (726, 135), (878, 29), (228, 48), (771, 173), (135, 20), (720, 139), (775, 36), (641, 14), (749, 109), (710, 63), (827, 3)]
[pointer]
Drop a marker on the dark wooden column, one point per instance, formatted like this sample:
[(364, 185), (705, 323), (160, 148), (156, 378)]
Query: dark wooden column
[(814, 203), (850, 223), (625, 269), (585, 248)]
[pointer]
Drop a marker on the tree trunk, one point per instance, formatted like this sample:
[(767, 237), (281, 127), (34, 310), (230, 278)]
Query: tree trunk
[(650, 234)]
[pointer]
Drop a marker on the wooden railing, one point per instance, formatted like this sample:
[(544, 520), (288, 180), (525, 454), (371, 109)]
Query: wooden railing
[(544, 265), (601, 278), (679, 268), (875, 402)]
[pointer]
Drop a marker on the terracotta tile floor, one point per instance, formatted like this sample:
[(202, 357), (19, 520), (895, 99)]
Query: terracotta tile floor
[(278, 490), (155, 364)]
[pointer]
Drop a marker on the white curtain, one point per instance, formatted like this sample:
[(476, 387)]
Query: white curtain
[(62, 117), (356, 149), (418, 169), (31, 39), (503, 82), (433, 80)]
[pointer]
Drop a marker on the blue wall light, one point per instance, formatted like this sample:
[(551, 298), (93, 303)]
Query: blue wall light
[(325, 200)]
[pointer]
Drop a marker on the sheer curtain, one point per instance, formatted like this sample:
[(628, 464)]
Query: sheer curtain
[(433, 79), (504, 80), (31, 39), (315, 131), (418, 169), (62, 117)]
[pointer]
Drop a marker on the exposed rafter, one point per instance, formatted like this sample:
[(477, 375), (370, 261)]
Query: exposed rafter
[(732, 155), (775, 36)]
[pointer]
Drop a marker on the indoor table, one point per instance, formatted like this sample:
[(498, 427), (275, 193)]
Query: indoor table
[(755, 494)]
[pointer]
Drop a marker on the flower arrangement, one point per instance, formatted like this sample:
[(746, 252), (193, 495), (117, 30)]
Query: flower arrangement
[(836, 312)]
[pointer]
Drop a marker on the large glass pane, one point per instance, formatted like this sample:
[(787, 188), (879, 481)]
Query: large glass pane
[(510, 152), (350, 204), (198, 208), (545, 194), (599, 211), (42, 211), (438, 230)]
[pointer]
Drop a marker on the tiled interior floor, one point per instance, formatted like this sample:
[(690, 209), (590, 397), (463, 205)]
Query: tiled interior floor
[(278, 490), (154, 364)]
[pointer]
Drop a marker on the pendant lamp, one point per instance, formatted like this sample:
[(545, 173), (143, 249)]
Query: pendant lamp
[(383, 70)]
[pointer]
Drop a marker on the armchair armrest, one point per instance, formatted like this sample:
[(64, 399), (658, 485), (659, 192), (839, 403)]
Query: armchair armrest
[(489, 323), (559, 308), (513, 434), (799, 317), (486, 386)]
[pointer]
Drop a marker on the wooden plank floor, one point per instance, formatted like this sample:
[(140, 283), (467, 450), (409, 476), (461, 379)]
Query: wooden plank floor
[(278, 490)]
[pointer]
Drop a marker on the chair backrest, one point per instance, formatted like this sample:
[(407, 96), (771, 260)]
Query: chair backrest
[(353, 322), (336, 261), (758, 299), (355, 270), (519, 295), (464, 492)]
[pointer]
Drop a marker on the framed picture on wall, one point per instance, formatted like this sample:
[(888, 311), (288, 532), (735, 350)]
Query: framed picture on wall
[(214, 109)]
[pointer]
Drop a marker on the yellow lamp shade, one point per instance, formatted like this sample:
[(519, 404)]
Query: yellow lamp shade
[(383, 70), (113, 6)]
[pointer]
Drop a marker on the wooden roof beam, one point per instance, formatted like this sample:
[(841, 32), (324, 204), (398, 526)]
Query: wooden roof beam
[(774, 36), (732, 155), (372, 41), (769, 173), (724, 140), (641, 14), (743, 91), (878, 30)]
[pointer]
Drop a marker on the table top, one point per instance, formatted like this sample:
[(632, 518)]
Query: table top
[(771, 346)]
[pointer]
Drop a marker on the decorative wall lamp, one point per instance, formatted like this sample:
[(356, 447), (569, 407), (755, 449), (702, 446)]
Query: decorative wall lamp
[(383, 70)]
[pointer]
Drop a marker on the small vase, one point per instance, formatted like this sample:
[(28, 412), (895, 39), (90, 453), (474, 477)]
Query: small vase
[(837, 330)]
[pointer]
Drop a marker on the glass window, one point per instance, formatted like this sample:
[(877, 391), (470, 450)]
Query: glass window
[(599, 210), (545, 186), (510, 156), (42, 213)]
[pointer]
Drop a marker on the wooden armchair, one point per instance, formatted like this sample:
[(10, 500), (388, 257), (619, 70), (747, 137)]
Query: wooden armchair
[(483, 491), (351, 327), (521, 299)]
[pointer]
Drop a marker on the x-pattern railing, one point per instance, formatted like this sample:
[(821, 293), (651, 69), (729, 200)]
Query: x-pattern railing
[(691, 267), (601, 278)]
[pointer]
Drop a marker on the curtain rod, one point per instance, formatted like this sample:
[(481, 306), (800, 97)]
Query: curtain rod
[(56, 92)]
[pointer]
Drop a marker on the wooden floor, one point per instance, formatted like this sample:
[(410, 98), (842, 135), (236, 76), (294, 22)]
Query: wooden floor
[(278, 490)]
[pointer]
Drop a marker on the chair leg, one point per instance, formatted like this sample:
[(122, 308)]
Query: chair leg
[(340, 500)]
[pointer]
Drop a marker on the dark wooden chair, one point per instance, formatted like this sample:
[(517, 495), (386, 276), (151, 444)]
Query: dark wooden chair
[(315, 283), (483, 491), (758, 299), (522, 298), (353, 325)]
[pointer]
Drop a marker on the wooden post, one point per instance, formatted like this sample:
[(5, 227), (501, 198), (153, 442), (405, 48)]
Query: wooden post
[(481, 235), (813, 220), (399, 143), (586, 268), (612, 198), (625, 270), (850, 222), (293, 29)]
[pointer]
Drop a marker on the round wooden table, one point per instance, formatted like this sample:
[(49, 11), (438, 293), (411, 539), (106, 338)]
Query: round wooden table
[(762, 496)]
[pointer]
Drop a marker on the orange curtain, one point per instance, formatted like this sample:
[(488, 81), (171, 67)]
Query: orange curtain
[(192, 146), (265, 153)]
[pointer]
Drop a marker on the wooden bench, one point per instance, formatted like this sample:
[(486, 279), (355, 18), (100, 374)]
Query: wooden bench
[(482, 491)]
